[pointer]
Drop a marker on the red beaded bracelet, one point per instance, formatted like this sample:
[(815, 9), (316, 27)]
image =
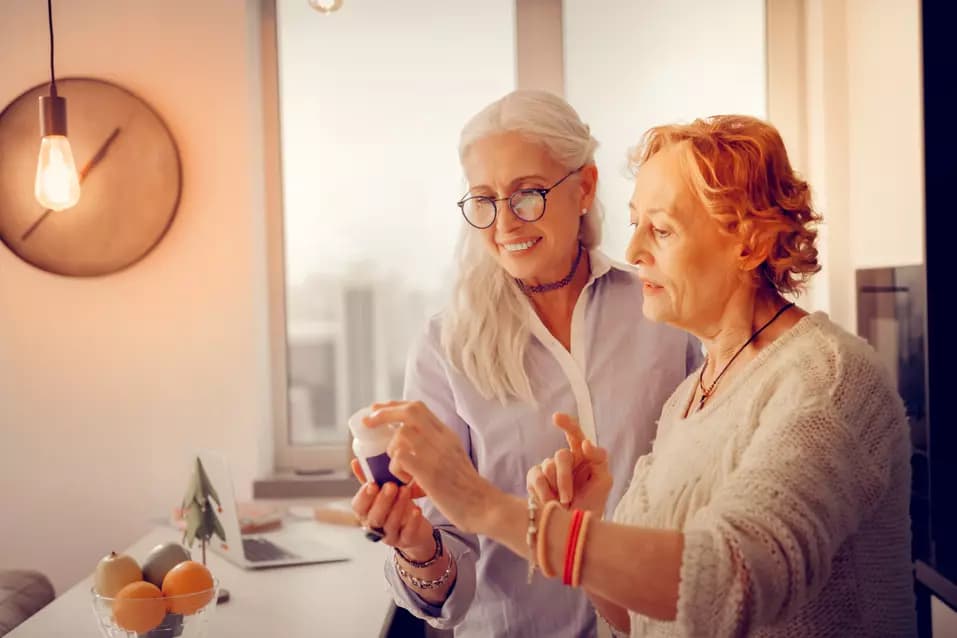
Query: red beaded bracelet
[(571, 545), (580, 550)]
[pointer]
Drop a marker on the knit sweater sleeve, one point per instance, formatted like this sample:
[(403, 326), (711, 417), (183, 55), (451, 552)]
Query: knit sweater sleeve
[(818, 462)]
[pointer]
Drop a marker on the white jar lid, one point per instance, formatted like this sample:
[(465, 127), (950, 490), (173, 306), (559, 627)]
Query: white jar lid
[(362, 432)]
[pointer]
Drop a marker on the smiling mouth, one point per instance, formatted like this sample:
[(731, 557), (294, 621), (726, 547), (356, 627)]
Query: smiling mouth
[(519, 246)]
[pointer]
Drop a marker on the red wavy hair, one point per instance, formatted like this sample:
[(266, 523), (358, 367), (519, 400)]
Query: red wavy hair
[(739, 170)]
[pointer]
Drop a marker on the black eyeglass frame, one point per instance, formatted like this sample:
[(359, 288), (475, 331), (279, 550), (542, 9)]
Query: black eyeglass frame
[(542, 192)]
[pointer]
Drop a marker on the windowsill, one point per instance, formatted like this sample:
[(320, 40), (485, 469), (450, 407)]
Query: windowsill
[(289, 485)]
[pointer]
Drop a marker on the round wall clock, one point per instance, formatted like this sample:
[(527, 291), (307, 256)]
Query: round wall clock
[(130, 176)]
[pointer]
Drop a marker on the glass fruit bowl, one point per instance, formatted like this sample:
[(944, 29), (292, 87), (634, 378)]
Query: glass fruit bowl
[(184, 616)]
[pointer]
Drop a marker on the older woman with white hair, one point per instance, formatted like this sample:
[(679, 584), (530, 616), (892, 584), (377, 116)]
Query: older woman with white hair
[(775, 500), (540, 322)]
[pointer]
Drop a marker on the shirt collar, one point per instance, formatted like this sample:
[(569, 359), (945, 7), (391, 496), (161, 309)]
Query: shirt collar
[(601, 265)]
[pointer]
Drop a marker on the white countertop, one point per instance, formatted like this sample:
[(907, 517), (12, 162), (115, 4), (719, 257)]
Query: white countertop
[(334, 599)]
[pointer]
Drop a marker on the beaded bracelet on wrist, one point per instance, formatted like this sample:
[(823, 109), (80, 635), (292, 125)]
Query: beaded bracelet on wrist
[(439, 550)]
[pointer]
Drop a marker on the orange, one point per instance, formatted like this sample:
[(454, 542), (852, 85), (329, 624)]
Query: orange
[(188, 587), (139, 607)]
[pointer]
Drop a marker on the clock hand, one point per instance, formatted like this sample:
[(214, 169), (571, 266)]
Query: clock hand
[(90, 165), (100, 154)]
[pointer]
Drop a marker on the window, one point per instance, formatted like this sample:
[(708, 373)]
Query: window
[(657, 63), (371, 102)]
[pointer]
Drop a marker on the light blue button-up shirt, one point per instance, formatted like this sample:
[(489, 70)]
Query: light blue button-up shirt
[(619, 372)]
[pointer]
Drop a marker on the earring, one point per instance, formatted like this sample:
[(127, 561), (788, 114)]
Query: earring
[(584, 211)]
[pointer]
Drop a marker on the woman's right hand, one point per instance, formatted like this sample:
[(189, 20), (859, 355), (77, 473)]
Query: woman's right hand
[(577, 476), (392, 510)]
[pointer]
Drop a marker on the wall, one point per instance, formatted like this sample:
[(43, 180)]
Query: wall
[(864, 136), (885, 132), (107, 385), (944, 619)]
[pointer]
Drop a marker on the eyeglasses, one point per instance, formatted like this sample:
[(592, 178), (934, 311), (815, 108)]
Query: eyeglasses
[(527, 204)]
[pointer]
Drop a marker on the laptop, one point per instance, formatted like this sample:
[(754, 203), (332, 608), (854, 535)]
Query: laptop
[(278, 548)]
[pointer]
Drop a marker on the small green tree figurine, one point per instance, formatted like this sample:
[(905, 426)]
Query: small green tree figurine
[(198, 511)]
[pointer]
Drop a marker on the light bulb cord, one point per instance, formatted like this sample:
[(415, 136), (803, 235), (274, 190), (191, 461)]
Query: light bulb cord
[(52, 73)]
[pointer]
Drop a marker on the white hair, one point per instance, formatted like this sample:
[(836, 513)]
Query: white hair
[(485, 328)]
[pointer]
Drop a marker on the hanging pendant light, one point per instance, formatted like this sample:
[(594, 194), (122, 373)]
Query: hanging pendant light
[(325, 6), (57, 184)]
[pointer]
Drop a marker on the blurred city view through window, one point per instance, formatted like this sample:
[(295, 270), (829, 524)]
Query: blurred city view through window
[(372, 100)]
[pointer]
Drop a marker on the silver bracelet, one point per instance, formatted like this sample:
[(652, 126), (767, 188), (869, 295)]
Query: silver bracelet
[(423, 583), (531, 535)]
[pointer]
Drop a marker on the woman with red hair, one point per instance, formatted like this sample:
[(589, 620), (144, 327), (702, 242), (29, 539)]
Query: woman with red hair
[(775, 499)]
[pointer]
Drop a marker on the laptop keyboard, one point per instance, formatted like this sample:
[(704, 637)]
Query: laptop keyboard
[(258, 550)]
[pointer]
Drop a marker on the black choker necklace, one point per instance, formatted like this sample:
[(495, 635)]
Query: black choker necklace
[(555, 285)]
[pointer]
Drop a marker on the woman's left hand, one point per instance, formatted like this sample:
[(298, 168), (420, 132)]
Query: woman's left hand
[(426, 450), (578, 476)]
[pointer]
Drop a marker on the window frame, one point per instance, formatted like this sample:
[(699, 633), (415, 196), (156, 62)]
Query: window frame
[(287, 456)]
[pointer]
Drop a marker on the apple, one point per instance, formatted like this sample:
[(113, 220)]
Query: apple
[(161, 560), (114, 572)]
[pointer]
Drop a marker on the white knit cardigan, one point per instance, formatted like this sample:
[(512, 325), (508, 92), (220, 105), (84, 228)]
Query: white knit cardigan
[(792, 487)]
